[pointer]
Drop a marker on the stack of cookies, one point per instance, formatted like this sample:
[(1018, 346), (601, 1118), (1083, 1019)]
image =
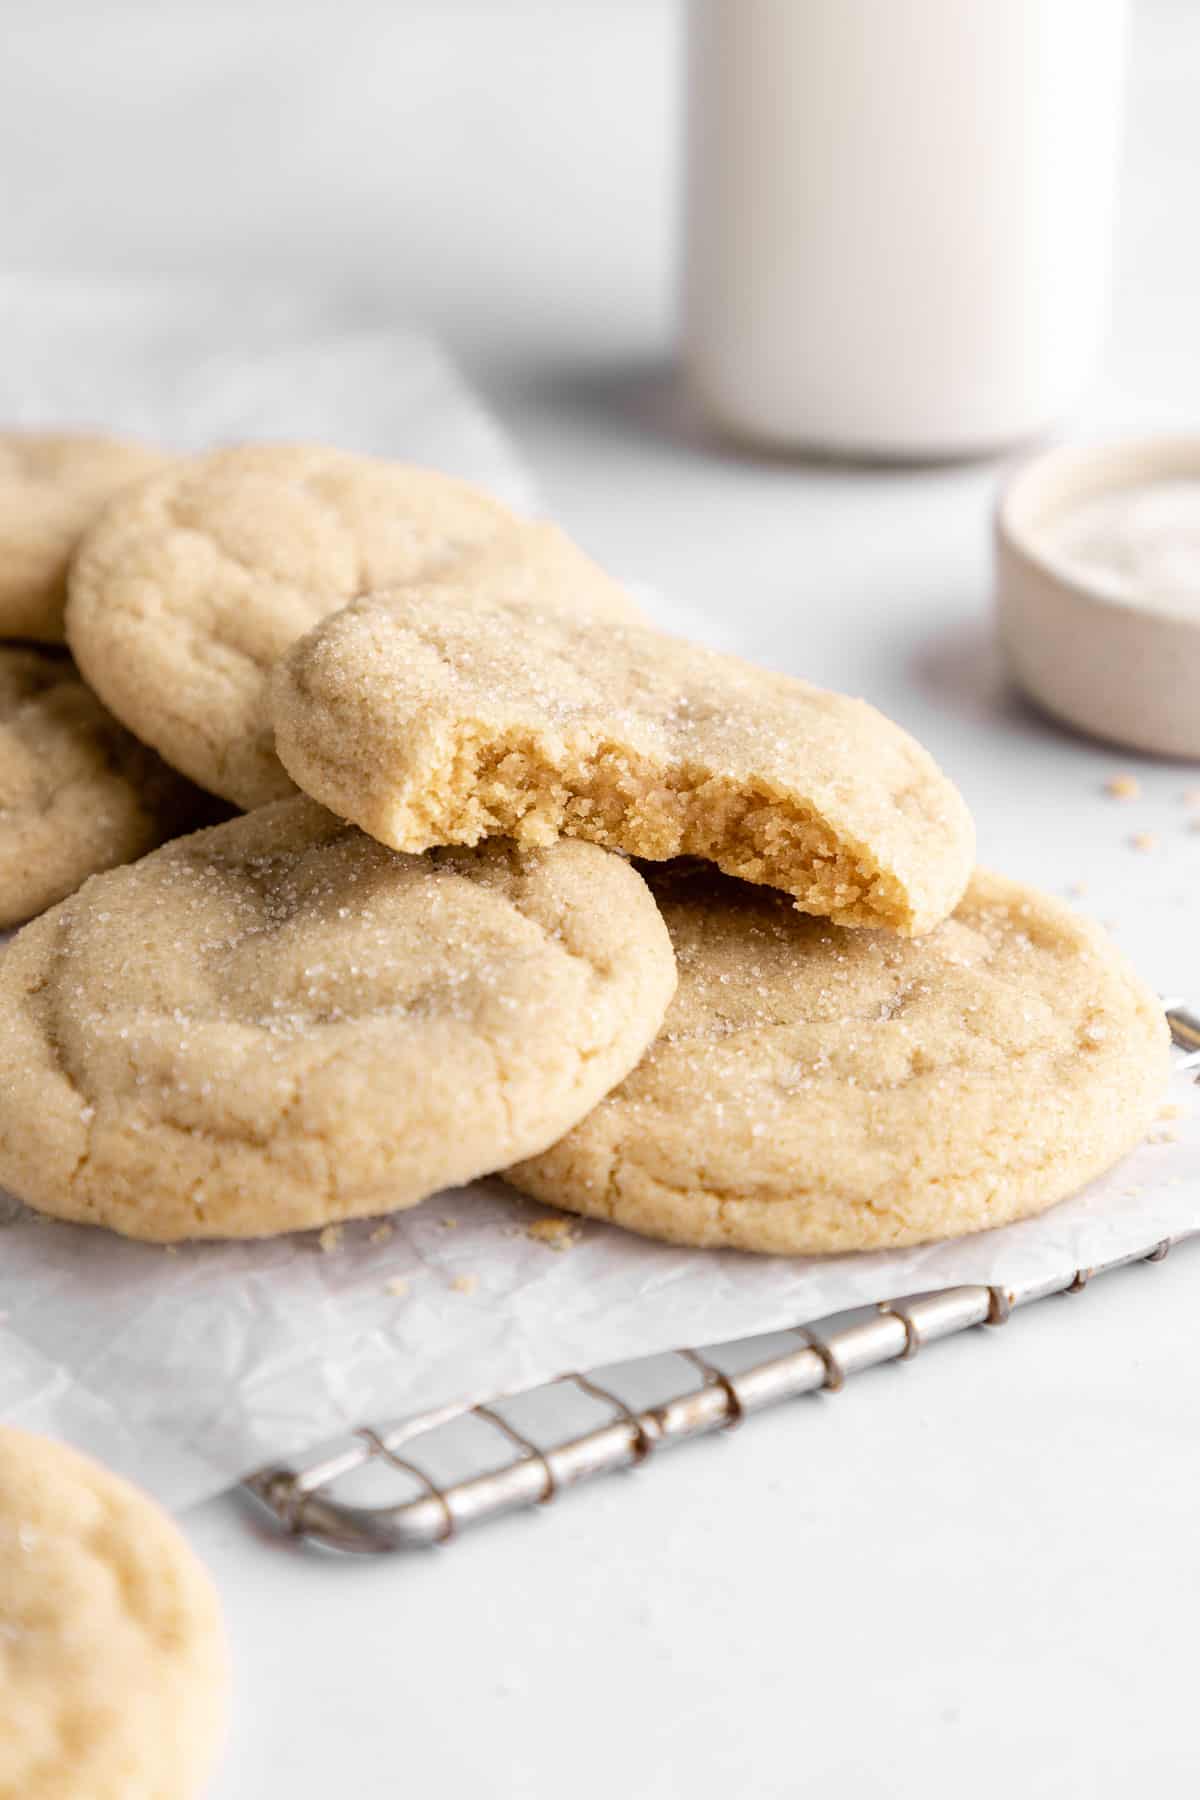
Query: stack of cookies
[(78, 792), (518, 884)]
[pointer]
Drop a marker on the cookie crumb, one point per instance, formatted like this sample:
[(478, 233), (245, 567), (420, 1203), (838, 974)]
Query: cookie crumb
[(398, 1286), (1076, 889), (171, 1249), (465, 1284), (1170, 1111), (1144, 840), (1123, 787), (449, 1224), (329, 1238), (382, 1233), (556, 1233)]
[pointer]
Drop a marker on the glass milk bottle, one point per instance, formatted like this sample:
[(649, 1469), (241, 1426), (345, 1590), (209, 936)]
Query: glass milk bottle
[(899, 217)]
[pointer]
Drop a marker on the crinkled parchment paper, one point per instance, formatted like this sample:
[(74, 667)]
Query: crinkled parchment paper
[(189, 1368)]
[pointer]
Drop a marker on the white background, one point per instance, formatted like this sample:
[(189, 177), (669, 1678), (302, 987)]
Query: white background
[(977, 1575)]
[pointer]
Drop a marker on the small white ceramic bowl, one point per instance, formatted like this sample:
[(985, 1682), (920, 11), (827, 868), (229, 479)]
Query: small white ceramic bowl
[(1116, 670)]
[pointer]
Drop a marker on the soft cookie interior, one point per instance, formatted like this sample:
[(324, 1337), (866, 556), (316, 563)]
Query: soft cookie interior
[(439, 716)]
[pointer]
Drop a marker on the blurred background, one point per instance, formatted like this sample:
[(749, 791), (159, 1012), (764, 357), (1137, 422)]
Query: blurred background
[(507, 172), (435, 154)]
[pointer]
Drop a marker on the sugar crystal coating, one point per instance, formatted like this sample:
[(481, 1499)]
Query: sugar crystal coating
[(452, 710), (279, 1023), (817, 1090), (187, 591)]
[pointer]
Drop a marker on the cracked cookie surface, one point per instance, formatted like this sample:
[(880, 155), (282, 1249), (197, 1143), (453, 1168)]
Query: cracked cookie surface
[(77, 792), (186, 592), (52, 486), (818, 1090), (449, 712), (279, 1023), (113, 1670)]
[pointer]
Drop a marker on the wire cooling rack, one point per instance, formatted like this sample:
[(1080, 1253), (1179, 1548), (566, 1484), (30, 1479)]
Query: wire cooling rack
[(368, 1494)]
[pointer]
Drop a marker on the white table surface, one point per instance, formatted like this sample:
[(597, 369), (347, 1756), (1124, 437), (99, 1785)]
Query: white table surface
[(976, 1575)]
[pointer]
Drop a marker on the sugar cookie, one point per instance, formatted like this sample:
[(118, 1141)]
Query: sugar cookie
[(823, 1090), (446, 713), (279, 1023), (187, 591), (52, 486), (113, 1671), (77, 793)]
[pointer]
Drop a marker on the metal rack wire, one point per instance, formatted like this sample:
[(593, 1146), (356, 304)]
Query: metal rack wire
[(321, 1499)]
